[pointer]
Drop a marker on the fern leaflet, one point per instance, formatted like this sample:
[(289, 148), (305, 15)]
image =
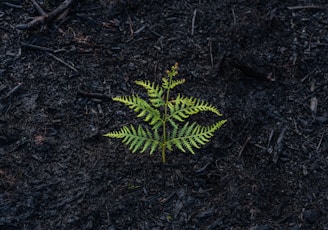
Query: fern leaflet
[(155, 92), (182, 107), (166, 84), (192, 136), (137, 138), (140, 106)]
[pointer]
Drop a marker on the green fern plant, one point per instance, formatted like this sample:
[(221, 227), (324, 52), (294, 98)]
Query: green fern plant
[(166, 119)]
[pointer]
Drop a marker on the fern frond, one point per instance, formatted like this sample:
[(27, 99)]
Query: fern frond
[(192, 136), (164, 117), (155, 92), (167, 85), (143, 108), (182, 107), (138, 138)]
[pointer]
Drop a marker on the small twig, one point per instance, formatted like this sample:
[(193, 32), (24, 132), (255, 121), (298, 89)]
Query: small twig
[(63, 62), (281, 137), (108, 216), (193, 22), (40, 20), (203, 168), (13, 90), (211, 54), (310, 43), (319, 144), (36, 47), (306, 76), (38, 7), (61, 8), (268, 148), (261, 147), (169, 197), (244, 146), (140, 29), (279, 144), (13, 5), (130, 24), (93, 95), (304, 7), (234, 18), (314, 92), (270, 138), (62, 17)]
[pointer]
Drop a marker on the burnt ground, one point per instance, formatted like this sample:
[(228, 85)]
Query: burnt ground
[(262, 63)]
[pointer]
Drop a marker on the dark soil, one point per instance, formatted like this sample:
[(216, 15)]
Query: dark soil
[(262, 63)]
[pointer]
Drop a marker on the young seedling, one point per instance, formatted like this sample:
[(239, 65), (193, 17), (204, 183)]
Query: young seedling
[(166, 118)]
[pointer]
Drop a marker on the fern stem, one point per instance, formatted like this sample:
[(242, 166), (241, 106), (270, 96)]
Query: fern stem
[(171, 74), (164, 136), (165, 121)]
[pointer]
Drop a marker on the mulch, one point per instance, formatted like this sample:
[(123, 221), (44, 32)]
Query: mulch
[(263, 64)]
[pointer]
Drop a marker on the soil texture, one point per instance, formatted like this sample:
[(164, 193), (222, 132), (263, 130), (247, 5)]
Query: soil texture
[(264, 64)]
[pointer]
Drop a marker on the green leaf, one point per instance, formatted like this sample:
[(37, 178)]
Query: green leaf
[(192, 135), (142, 108), (137, 139), (182, 107), (166, 83), (155, 92)]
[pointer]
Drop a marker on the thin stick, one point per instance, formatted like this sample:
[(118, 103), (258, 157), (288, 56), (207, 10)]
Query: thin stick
[(234, 18), (13, 5), (233, 28), (36, 47), (93, 95), (130, 24), (47, 17), (270, 138), (38, 7), (304, 7), (211, 55), (203, 168), (304, 78), (244, 146), (280, 138), (193, 22), (13, 90), (63, 62), (279, 144), (319, 144)]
